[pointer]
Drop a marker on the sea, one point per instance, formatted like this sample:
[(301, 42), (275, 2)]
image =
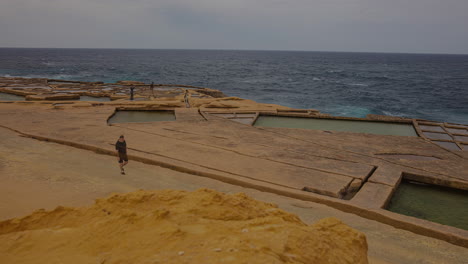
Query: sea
[(425, 86)]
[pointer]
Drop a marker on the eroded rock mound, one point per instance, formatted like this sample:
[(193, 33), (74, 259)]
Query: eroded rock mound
[(170, 226)]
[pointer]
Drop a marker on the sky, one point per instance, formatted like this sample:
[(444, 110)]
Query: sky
[(409, 26)]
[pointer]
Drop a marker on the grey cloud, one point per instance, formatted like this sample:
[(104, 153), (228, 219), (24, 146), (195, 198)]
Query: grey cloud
[(346, 25)]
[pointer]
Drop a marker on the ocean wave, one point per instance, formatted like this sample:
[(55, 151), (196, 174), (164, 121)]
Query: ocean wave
[(48, 63), (272, 90), (388, 113), (357, 84), (315, 80), (349, 110), (16, 76), (45, 76), (53, 76), (380, 78)]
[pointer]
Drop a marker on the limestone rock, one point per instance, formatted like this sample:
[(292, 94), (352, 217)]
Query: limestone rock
[(156, 226), (114, 97), (385, 117), (218, 104), (355, 185), (52, 97), (211, 92), (130, 83)]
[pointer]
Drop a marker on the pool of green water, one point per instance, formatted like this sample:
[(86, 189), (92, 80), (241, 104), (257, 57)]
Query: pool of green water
[(11, 97), (434, 203), (141, 116), (92, 98), (380, 128)]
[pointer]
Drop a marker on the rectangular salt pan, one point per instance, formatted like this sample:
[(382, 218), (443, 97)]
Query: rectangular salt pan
[(11, 97), (437, 136), (379, 128), (246, 115), (434, 203), (246, 121), (458, 131), (461, 138), (225, 115), (91, 98), (447, 145), (432, 128)]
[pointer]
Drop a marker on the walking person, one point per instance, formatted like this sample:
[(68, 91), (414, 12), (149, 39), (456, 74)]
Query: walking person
[(131, 93), (121, 147)]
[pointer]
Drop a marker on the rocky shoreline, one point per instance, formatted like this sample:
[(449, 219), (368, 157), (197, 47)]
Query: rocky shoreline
[(51, 89)]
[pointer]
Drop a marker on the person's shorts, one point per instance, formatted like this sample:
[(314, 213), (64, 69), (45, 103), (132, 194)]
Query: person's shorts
[(123, 157)]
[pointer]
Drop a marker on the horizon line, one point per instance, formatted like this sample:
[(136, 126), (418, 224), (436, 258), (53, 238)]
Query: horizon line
[(277, 50)]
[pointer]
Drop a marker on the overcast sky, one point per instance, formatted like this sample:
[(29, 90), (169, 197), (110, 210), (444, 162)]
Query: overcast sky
[(422, 26)]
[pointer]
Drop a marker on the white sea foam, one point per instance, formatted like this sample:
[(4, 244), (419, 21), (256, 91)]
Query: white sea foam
[(46, 76), (51, 76), (48, 63), (392, 114), (14, 76), (358, 84), (349, 110)]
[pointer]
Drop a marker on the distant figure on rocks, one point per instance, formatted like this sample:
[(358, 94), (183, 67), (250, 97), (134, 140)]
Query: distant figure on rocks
[(131, 93), (121, 147), (152, 88)]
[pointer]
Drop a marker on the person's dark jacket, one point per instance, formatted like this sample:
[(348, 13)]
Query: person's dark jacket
[(121, 147)]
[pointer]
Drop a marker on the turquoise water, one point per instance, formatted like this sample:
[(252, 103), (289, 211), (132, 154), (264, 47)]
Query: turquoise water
[(378, 128), (141, 116), (437, 204), (10, 97)]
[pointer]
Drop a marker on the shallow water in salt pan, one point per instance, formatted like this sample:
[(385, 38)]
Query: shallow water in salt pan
[(91, 98), (434, 203), (379, 128), (11, 97)]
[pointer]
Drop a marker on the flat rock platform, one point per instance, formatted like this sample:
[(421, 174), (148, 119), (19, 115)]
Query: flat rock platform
[(351, 172)]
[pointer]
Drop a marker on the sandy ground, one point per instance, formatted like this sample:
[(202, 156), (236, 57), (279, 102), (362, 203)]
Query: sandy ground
[(35, 174), (178, 227)]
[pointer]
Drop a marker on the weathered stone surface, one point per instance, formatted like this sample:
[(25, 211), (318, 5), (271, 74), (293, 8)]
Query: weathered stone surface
[(16, 92), (373, 195), (389, 175), (367, 149), (52, 97), (232, 103), (130, 83), (354, 186), (75, 177), (120, 90), (385, 117), (188, 114), (212, 93), (155, 226), (217, 104), (117, 97), (276, 160)]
